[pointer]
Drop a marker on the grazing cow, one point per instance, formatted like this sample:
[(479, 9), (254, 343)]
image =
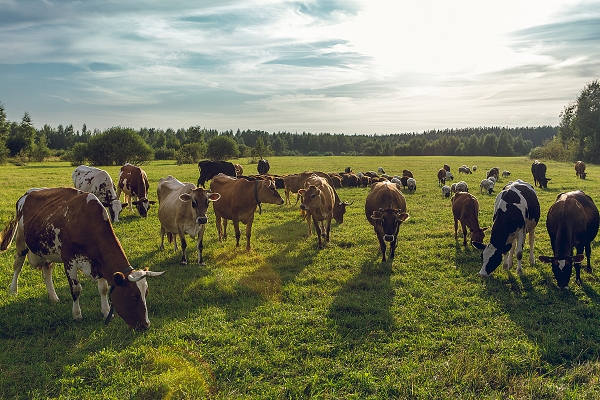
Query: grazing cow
[(347, 170), (238, 202), (441, 176), (580, 169), (572, 222), (505, 174), (453, 188), (516, 213), (446, 191), (133, 182), (474, 168), (317, 200), (465, 209), (464, 169), (263, 166), (182, 209), (350, 180), (380, 170), (385, 208), (447, 167), (493, 172), (449, 176), (339, 207), (208, 169), (538, 170), (66, 225), (411, 183), (462, 187), (98, 182), (239, 170), (487, 185), (406, 172)]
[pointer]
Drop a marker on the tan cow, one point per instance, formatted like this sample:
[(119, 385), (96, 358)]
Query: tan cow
[(385, 208), (182, 209), (133, 182), (292, 183), (580, 169), (318, 199), (465, 209), (238, 202)]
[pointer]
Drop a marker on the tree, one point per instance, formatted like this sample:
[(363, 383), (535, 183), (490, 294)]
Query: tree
[(580, 123), (260, 150), (21, 139), (504, 146), (222, 148), (191, 153), (117, 146), (4, 131)]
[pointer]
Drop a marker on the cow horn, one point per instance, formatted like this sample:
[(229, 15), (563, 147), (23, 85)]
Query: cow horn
[(144, 274)]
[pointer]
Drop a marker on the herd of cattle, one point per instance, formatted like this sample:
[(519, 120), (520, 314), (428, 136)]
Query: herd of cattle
[(73, 225)]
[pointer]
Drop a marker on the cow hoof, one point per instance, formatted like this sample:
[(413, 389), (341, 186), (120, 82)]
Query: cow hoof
[(183, 263), (588, 270)]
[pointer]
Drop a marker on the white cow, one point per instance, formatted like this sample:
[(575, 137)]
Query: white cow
[(98, 182)]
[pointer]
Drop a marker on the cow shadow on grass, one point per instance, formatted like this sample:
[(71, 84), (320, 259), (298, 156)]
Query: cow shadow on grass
[(362, 306)]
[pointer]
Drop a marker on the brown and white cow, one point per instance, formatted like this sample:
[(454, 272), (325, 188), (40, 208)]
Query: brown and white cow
[(441, 174), (572, 222), (72, 227), (385, 208), (182, 209), (133, 182), (465, 208), (580, 169), (98, 182), (238, 203), (318, 199)]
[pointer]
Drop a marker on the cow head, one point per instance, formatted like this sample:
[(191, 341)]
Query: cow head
[(562, 268), (266, 192), (390, 220), (490, 256), (339, 210), (143, 205), (311, 198), (544, 182), (114, 209), (478, 234), (200, 199), (128, 296)]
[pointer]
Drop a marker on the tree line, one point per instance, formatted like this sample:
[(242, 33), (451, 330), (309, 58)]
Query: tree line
[(117, 145)]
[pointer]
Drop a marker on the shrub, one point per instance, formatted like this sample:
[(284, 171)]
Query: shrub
[(222, 148), (117, 146), (164, 153), (313, 153), (190, 153)]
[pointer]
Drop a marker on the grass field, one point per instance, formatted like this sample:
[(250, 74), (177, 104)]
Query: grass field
[(289, 321)]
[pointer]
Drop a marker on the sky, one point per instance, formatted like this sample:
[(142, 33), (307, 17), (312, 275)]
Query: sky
[(363, 66)]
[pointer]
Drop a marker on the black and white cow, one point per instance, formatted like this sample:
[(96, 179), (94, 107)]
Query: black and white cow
[(572, 222), (98, 182), (516, 213)]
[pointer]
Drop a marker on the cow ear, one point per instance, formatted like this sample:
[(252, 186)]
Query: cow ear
[(578, 258), (185, 197), (151, 202), (105, 204), (478, 245), (506, 248), (403, 217), (214, 196), (376, 215), (301, 192), (119, 278), (135, 203), (545, 259)]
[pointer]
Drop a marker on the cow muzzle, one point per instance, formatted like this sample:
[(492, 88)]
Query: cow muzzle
[(202, 220), (303, 207), (389, 238)]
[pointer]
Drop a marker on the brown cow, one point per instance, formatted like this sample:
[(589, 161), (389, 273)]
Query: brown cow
[(133, 182), (406, 172), (292, 183), (580, 169), (182, 209), (441, 176), (385, 209), (65, 225), (239, 170), (317, 200), (238, 202), (465, 209)]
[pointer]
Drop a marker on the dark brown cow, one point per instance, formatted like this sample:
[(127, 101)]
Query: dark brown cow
[(441, 174), (182, 209), (572, 222), (317, 200), (538, 170), (406, 172), (65, 225), (238, 202), (465, 209), (580, 169), (133, 182), (495, 172), (350, 180), (385, 209)]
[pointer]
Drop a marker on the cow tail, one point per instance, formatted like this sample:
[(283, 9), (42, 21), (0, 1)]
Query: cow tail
[(8, 234)]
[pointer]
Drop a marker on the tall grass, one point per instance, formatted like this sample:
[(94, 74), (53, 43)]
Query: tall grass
[(286, 320)]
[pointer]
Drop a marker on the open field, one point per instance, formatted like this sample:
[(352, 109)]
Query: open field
[(289, 321)]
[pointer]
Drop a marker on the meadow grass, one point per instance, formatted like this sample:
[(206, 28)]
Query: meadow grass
[(287, 320)]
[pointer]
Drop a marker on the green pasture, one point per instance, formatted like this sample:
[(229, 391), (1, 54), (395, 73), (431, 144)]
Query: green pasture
[(286, 320)]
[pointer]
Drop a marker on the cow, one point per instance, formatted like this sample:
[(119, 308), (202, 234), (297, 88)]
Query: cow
[(449, 176), (441, 176), (505, 174), (487, 185), (238, 203), (464, 169), (465, 208), (411, 183), (208, 169), (538, 170), (263, 166), (474, 168), (380, 170), (350, 180), (133, 182), (447, 167), (292, 183), (446, 191), (339, 207), (516, 213), (318, 200), (580, 169), (493, 172), (462, 187), (182, 209), (98, 182), (66, 225), (572, 222), (406, 172), (239, 170), (385, 208)]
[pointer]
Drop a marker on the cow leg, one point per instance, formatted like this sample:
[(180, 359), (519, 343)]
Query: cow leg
[(162, 239), (328, 228), (455, 228), (531, 243), (508, 257), (381, 243), (183, 247), (393, 247), (47, 275), (317, 231), (520, 245), (309, 223), (236, 227), (199, 245), (579, 248), (20, 254), (224, 228), (218, 224), (103, 290), (248, 232), (588, 253), (464, 231), (71, 272)]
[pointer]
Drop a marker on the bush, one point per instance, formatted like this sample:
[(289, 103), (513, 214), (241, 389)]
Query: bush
[(117, 146), (165, 154), (554, 149), (222, 148), (313, 153), (77, 155), (191, 153), (328, 153)]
